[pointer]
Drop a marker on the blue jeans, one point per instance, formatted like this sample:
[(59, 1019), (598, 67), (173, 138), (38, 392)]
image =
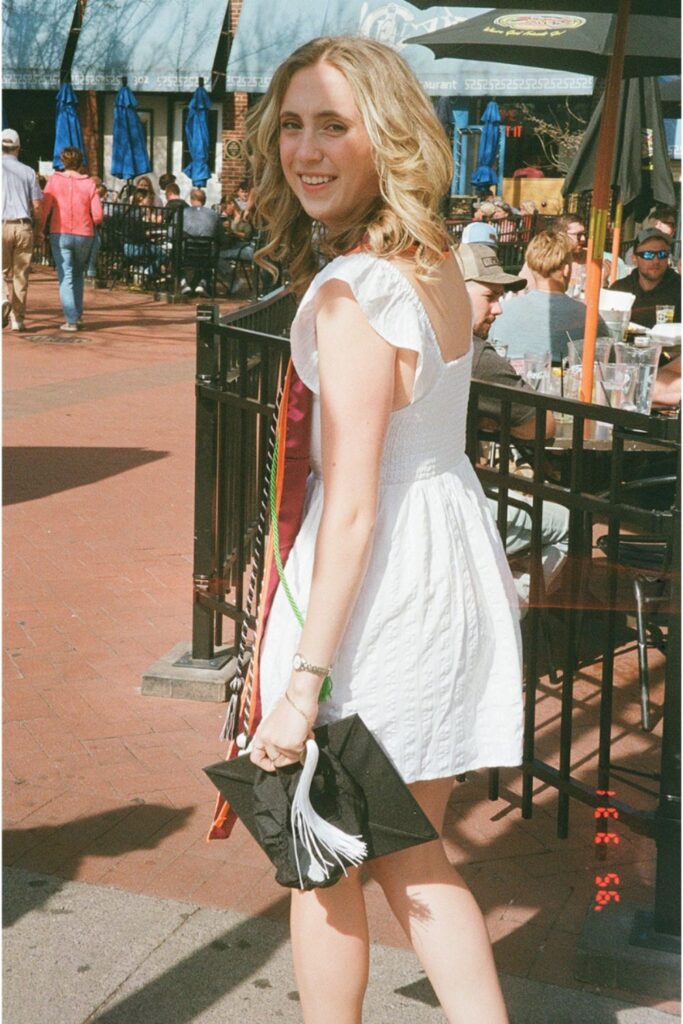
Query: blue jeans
[(92, 262), (71, 254)]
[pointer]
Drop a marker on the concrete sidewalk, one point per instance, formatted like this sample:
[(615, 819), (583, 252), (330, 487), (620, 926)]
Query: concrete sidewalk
[(103, 788), (88, 954)]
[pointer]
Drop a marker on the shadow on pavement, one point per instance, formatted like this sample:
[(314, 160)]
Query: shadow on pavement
[(34, 472), (110, 834), (184, 991)]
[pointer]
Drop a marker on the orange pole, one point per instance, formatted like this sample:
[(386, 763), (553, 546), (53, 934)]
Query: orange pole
[(597, 230), (616, 242)]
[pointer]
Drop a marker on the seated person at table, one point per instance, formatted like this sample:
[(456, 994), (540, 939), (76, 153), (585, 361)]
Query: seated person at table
[(486, 283), (539, 321), (199, 222), (172, 194), (480, 232), (572, 226), (653, 282), (236, 228), (141, 226)]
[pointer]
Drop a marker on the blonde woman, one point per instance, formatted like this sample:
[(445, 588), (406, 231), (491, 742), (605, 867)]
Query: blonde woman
[(397, 565)]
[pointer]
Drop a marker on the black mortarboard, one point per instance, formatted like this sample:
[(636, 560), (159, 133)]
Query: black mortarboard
[(354, 787)]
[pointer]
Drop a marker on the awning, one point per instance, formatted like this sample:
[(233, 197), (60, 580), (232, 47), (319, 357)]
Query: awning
[(160, 47), (34, 38), (268, 32)]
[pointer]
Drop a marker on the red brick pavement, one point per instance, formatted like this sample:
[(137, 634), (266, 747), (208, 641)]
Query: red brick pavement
[(104, 785)]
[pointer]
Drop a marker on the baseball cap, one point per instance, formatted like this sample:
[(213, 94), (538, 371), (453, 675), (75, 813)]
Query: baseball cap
[(10, 137), (478, 231), (652, 232), (479, 262)]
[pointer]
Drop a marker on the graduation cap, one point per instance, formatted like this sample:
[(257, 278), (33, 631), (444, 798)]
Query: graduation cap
[(344, 805)]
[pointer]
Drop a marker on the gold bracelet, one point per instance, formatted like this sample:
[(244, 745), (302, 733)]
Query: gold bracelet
[(297, 708)]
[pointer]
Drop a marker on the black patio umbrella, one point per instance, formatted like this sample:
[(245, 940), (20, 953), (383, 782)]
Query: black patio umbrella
[(640, 167), (641, 173), (590, 43), (667, 8), (583, 43)]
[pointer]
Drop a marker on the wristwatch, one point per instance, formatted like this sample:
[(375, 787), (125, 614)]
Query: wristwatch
[(299, 664)]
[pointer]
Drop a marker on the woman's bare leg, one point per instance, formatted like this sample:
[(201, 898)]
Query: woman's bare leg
[(442, 920), (330, 948)]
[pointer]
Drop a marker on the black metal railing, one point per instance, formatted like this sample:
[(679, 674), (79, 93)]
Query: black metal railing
[(241, 362), (599, 481), (514, 235), (145, 248), (140, 246)]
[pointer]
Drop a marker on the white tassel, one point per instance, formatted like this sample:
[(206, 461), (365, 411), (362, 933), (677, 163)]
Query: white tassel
[(316, 835)]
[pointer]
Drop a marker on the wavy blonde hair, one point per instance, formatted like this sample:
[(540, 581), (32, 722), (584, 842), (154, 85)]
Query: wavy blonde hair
[(410, 150)]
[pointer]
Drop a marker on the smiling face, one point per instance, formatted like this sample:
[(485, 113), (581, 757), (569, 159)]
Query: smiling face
[(325, 150)]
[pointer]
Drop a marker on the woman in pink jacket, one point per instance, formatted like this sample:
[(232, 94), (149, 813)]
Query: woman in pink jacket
[(72, 209)]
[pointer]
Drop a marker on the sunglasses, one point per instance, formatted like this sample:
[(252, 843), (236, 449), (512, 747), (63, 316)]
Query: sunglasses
[(651, 254)]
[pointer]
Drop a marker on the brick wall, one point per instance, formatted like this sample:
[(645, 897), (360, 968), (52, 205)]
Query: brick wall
[(235, 165)]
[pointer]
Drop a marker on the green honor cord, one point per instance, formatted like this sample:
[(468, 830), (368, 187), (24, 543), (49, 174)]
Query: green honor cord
[(326, 688)]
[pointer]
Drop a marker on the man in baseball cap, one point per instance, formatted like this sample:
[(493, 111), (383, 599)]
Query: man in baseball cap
[(653, 282), (486, 282), (21, 198)]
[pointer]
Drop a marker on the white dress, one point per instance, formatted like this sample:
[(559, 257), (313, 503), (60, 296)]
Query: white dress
[(431, 657)]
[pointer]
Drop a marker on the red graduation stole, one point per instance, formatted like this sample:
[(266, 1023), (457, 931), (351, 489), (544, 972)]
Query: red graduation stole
[(294, 442)]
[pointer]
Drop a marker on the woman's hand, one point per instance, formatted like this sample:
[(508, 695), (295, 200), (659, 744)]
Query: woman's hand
[(281, 737)]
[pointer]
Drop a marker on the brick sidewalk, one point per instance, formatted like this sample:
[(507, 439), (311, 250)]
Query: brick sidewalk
[(103, 785)]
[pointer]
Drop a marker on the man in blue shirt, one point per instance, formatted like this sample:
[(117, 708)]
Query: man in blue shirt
[(21, 199), (544, 319)]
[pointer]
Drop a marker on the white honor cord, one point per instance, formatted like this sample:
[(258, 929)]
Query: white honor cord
[(316, 835)]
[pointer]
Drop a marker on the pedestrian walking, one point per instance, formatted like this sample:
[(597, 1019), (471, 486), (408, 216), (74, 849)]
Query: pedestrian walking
[(21, 203), (71, 211), (403, 584)]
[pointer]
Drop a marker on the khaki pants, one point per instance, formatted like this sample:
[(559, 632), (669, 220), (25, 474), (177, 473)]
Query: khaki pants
[(17, 250)]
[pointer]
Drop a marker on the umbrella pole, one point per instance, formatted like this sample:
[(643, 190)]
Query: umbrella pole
[(601, 190), (616, 241)]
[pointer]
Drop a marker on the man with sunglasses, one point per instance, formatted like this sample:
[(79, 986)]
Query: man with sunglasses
[(653, 282)]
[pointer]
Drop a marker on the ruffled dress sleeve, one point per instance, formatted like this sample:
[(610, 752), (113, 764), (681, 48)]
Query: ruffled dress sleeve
[(390, 304)]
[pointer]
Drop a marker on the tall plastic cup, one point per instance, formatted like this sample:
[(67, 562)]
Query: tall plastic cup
[(643, 358), (603, 351)]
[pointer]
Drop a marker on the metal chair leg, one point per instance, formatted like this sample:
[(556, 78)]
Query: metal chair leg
[(643, 673)]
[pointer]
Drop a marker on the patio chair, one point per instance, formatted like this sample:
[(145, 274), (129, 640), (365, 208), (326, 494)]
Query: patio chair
[(200, 255), (649, 556)]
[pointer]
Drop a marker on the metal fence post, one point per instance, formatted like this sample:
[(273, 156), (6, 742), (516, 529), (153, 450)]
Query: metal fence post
[(205, 498)]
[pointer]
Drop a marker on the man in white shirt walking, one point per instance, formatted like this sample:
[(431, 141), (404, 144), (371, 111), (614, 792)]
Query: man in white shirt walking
[(21, 200)]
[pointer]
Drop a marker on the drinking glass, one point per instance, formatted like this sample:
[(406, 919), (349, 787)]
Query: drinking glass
[(665, 314), (616, 321), (613, 385), (536, 368), (642, 359), (603, 350)]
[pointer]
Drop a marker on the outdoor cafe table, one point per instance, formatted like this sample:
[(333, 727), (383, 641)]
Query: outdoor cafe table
[(641, 458)]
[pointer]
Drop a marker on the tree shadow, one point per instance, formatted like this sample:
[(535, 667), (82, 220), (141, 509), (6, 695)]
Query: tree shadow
[(109, 834), (34, 472)]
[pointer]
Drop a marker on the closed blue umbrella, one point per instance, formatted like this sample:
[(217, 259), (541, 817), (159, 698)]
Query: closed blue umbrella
[(197, 136), (67, 126), (129, 156), (485, 173)]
